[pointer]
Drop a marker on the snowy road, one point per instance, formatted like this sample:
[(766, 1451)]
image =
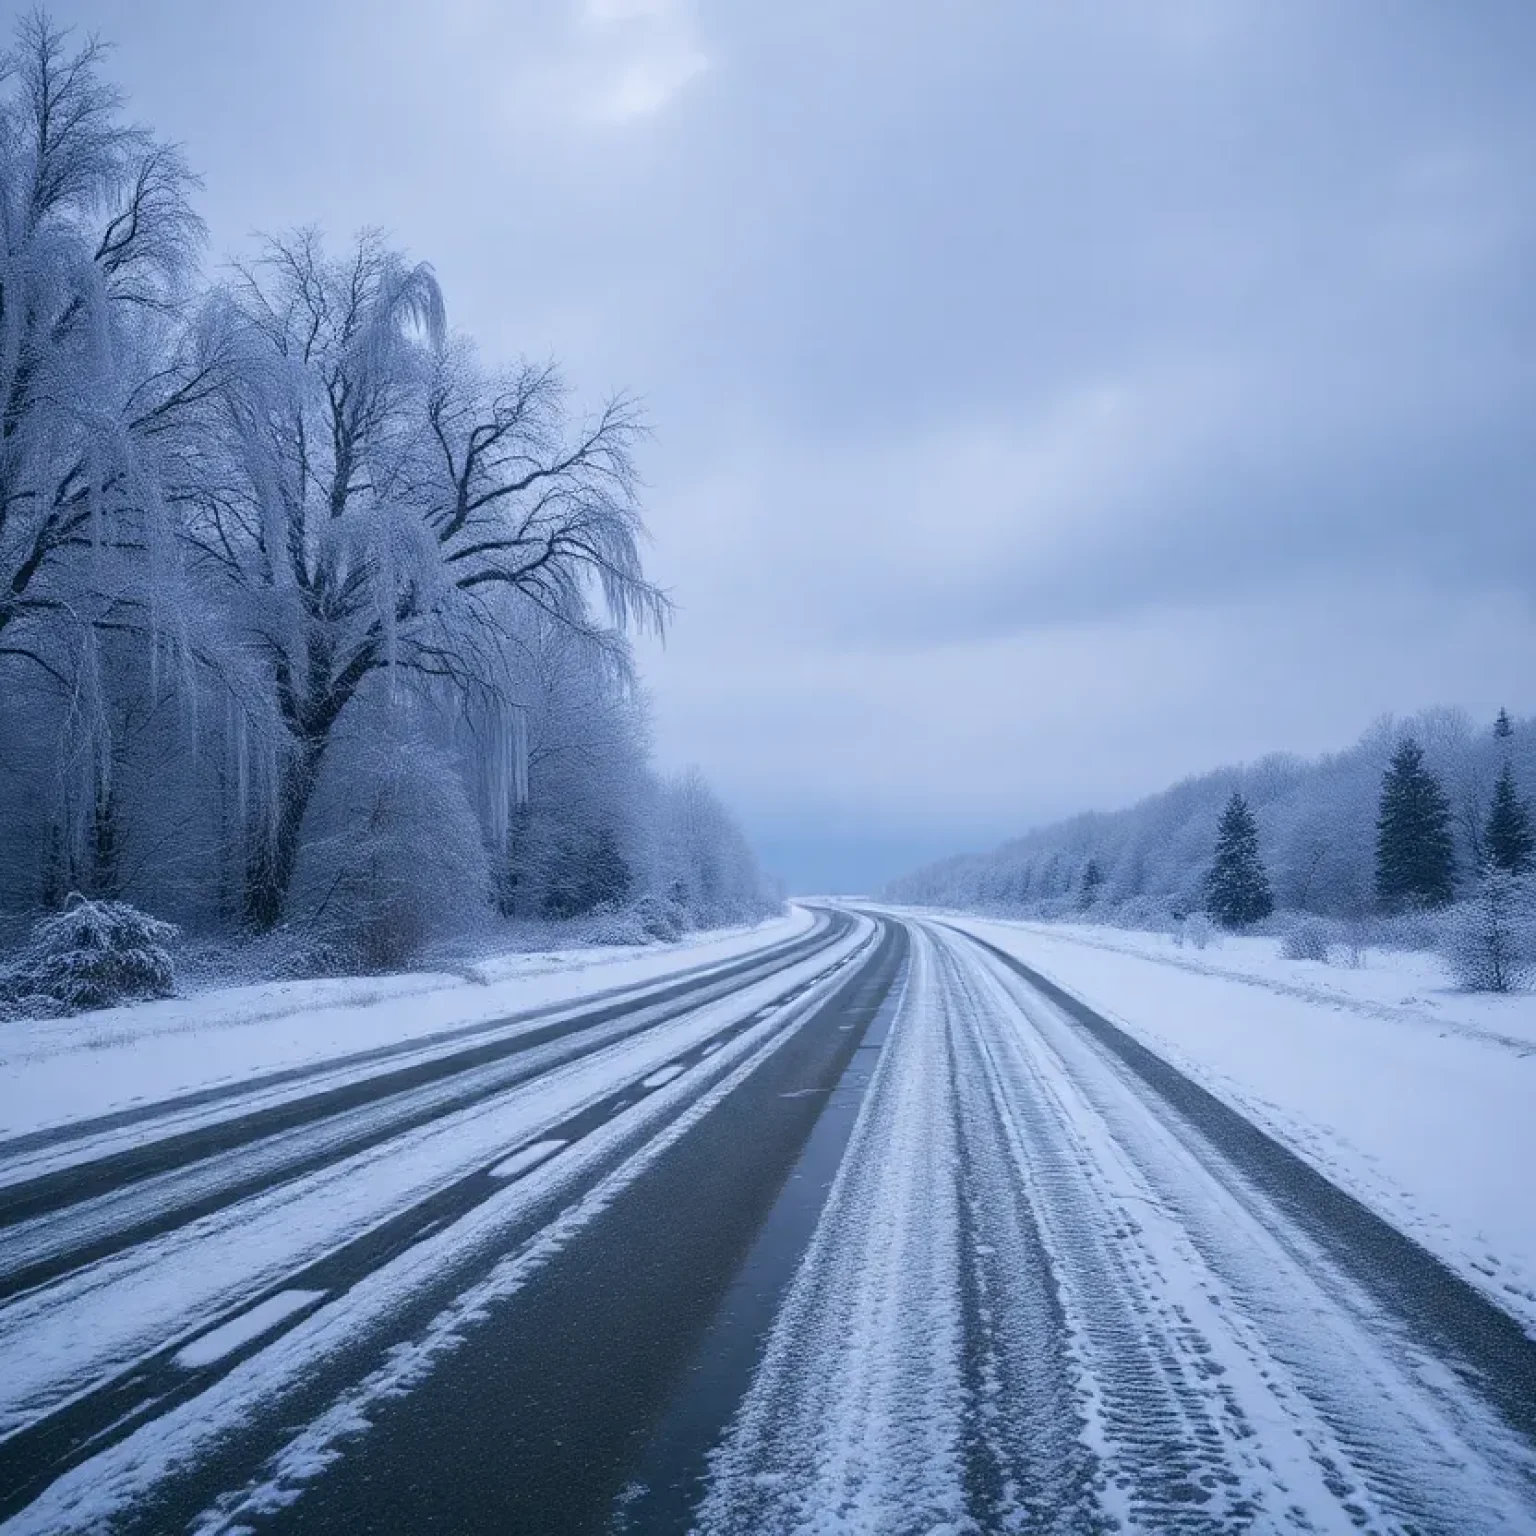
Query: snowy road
[(875, 1233), (140, 1282), (1041, 1299)]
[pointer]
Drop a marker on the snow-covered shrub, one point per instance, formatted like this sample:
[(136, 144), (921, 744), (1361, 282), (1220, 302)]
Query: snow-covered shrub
[(1356, 939), (659, 918), (1149, 912), (398, 859), (94, 954), (1306, 938), (1201, 931), (1415, 930), (619, 926), (650, 920), (1489, 940)]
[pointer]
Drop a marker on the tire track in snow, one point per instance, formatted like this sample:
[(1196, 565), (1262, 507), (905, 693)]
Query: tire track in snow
[(312, 1387), (1327, 1383), (85, 1211), (1035, 1301), (1170, 1441), (1031, 1467), (856, 1419)]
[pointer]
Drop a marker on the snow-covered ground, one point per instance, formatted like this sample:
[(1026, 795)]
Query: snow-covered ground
[(1417, 1098), (156, 1299), (53, 1071), (1037, 1301)]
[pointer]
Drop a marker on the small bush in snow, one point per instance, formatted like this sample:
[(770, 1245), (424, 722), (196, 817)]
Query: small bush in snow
[(1410, 930), (1306, 939), (1200, 930), (94, 954), (659, 918), (1489, 941), (618, 926), (1356, 938), (1147, 912)]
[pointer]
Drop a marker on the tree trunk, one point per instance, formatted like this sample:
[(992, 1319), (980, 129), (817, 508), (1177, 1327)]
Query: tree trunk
[(269, 870), (103, 880)]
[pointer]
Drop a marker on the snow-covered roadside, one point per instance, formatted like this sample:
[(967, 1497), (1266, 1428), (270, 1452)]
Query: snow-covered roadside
[(92, 1495), (1418, 1099), (53, 1071)]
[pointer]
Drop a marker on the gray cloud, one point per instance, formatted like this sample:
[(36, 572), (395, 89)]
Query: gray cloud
[(1114, 389)]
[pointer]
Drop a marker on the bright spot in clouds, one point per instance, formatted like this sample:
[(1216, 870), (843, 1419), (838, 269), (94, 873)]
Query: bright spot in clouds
[(644, 53)]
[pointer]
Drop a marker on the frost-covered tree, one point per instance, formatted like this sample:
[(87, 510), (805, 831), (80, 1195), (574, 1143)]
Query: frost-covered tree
[(1490, 938), (707, 869), (392, 508), (1508, 843), (396, 855), (1316, 827), (102, 389), (1503, 727), (97, 243), (1415, 854), (306, 614), (1237, 889)]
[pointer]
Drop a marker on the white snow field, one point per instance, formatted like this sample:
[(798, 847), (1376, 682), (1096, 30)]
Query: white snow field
[(1035, 1299), (53, 1071), (1417, 1098)]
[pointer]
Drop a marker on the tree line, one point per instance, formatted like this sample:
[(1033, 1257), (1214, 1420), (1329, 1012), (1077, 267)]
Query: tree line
[(1416, 859), (1421, 814), (308, 613)]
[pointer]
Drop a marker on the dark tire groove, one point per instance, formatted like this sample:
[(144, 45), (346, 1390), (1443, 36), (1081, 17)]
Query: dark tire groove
[(57, 1190), (1486, 1347), (537, 1423)]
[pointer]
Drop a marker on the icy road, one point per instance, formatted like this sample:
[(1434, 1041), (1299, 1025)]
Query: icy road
[(871, 1230)]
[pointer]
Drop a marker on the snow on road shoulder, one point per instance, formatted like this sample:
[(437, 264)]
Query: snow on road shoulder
[(54, 1071), (1433, 1127), (1405, 987)]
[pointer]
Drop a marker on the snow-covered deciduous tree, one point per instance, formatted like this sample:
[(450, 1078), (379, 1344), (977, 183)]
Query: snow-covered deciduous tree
[(97, 243), (1490, 938), (397, 856), (307, 615), (707, 869), (393, 509), (102, 387)]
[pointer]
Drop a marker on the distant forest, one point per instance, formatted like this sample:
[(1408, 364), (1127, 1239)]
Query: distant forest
[(311, 617), (1412, 817)]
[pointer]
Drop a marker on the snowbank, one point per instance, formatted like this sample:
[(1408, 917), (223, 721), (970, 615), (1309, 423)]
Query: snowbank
[(1418, 1099), (57, 1070)]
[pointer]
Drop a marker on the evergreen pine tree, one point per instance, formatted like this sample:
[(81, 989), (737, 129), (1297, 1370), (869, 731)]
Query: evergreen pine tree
[(1508, 843), (1093, 878), (1502, 727), (1237, 888), (1415, 858)]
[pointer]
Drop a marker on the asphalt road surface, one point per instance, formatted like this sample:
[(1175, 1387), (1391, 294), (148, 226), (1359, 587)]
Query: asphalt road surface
[(872, 1232)]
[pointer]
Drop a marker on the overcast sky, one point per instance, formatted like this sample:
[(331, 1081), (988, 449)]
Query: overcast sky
[(1049, 400)]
